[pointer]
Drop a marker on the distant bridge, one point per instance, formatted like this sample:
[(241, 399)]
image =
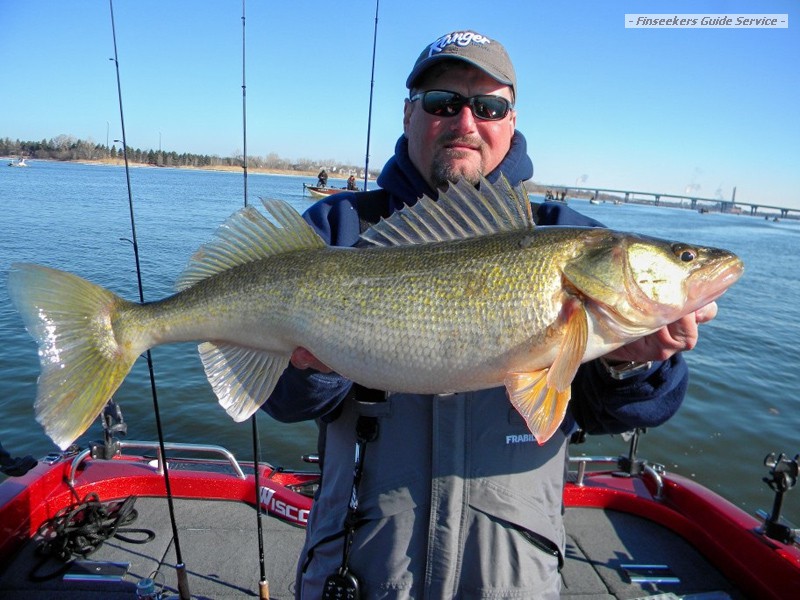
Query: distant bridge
[(726, 206)]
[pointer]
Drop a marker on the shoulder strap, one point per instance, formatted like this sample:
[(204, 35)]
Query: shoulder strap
[(535, 206), (371, 207)]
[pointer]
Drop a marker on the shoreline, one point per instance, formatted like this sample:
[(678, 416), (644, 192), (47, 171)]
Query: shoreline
[(218, 168), (532, 187)]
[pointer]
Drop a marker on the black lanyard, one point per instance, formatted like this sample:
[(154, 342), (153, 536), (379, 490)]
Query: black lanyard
[(366, 431)]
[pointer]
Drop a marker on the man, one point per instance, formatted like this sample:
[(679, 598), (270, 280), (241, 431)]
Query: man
[(451, 500)]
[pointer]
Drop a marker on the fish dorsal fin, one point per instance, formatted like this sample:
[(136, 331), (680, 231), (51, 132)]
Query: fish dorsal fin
[(248, 236), (461, 212)]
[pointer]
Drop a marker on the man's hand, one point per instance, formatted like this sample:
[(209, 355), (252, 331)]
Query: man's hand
[(671, 339), (303, 359)]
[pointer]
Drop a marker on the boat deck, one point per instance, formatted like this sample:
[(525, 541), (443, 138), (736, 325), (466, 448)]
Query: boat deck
[(600, 542)]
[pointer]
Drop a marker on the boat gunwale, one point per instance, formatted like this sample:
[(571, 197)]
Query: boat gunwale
[(724, 534)]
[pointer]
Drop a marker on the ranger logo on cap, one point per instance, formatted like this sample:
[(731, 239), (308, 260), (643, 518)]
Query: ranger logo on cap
[(461, 38), (470, 47)]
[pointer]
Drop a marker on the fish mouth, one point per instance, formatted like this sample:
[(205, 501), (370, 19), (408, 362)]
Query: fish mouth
[(708, 284)]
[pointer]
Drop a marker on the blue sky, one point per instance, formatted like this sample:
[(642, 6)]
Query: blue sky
[(646, 109)]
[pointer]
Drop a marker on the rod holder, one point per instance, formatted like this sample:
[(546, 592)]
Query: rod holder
[(783, 474)]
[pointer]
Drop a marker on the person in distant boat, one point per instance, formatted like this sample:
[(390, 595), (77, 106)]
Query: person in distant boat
[(456, 499), (322, 178), (351, 183)]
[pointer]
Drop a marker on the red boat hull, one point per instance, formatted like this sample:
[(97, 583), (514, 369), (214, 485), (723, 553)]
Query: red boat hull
[(727, 536)]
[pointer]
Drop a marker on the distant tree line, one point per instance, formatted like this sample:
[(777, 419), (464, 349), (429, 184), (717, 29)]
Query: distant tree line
[(67, 147)]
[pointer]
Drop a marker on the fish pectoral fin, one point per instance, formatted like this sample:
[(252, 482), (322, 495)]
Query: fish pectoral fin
[(242, 378), (541, 405), (541, 397), (572, 347)]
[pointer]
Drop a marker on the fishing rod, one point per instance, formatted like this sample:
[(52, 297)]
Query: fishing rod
[(180, 567), (263, 584), (371, 87), (244, 108)]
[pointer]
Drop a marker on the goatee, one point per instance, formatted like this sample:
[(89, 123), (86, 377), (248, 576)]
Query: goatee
[(446, 168)]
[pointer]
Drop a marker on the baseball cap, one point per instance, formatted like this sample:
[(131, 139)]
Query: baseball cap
[(471, 47)]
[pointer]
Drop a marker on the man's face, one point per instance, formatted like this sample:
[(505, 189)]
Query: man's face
[(446, 149)]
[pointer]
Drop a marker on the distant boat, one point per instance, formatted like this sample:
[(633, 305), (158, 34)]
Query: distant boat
[(323, 192), (20, 162), (593, 201), (558, 197)]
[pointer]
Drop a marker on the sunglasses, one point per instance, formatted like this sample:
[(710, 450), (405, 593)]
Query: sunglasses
[(448, 104)]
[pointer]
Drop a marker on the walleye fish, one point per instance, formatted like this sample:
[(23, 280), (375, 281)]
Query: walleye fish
[(455, 295)]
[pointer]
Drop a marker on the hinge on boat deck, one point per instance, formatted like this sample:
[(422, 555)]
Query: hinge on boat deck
[(649, 574), (783, 473)]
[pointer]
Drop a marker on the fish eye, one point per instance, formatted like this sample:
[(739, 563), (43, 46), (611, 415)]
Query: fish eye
[(685, 254)]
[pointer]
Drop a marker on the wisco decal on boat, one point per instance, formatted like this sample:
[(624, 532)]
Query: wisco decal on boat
[(272, 501)]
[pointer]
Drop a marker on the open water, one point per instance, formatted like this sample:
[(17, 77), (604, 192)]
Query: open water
[(742, 402)]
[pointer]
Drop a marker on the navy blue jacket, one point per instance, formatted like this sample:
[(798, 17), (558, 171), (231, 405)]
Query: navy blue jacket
[(599, 403)]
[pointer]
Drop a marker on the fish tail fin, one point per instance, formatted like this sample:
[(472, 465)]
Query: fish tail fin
[(83, 359)]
